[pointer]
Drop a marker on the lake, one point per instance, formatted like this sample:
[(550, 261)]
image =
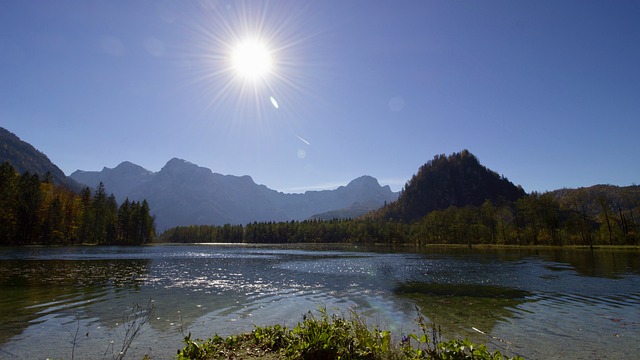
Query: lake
[(541, 304)]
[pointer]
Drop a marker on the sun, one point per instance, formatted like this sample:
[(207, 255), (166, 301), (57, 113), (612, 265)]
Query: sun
[(251, 59)]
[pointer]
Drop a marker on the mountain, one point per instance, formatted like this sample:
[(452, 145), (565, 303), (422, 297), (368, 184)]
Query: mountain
[(456, 180), (183, 193), (119, 180), (24, 157), (360, 188), (355, 210)]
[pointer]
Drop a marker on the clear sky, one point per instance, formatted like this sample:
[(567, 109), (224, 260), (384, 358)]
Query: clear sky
[(546, 93)]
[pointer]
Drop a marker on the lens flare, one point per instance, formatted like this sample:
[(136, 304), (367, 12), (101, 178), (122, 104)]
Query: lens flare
[(274, 102)]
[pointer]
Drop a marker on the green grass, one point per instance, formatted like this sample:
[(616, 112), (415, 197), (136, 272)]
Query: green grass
[(335, 337)]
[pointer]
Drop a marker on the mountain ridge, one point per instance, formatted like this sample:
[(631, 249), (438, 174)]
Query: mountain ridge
[(184, 193)]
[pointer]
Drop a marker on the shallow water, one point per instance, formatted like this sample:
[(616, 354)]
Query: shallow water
[(78, 301)]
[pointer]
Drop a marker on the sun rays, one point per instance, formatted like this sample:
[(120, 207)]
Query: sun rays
[(247, 56)]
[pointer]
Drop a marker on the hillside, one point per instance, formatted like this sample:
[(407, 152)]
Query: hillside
[(354, 211), (588, 200), (456, 180), (24, 157)]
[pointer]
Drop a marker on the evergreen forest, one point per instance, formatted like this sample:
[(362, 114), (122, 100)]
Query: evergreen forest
[(34, 211)]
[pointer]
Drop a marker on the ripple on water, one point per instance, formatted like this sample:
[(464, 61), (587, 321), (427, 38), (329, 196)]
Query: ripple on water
[(524, 299), (585, 325)]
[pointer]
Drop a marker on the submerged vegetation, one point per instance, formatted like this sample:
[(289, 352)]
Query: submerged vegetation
[(335, 337)]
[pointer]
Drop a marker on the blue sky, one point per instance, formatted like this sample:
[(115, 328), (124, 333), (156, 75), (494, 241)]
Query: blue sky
[(546, 93)]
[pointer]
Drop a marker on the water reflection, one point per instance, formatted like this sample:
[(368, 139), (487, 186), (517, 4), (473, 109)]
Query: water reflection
[(48, 293), (597, 263), (35, 290)]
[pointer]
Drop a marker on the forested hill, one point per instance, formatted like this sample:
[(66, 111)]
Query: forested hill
[(456, 180), (591, 200), (24, 157)]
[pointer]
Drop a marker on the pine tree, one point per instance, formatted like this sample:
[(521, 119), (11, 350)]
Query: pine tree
[(30, 198), (8, 203), (86, 228)]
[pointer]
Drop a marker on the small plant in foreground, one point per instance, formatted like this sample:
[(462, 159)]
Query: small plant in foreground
[(335, 337)]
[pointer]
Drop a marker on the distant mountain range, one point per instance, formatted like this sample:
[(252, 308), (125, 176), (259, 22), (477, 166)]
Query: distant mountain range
[(182, 193)]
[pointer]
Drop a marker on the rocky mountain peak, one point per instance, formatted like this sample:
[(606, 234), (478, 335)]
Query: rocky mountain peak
[(128, 166), (364, 182), (181, 166)]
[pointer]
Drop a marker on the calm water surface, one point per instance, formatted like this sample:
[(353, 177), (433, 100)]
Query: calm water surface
[(59, 302)]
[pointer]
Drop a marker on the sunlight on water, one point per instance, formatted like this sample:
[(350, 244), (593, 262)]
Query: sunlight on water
[(522, 298)]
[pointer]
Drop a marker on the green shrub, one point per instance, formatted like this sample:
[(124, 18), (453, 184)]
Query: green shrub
[(335, 337)]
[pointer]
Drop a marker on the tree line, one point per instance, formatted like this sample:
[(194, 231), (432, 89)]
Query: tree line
[(580, 218), (35, 211), (536, 219), (308, 231)]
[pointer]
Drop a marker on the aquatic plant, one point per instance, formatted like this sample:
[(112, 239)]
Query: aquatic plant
[(335, 336)]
